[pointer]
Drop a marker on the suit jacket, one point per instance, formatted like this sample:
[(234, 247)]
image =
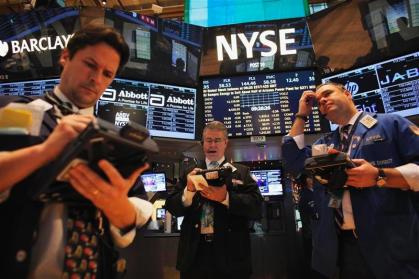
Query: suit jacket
[(386, 221), (231, 228), (20, 214)]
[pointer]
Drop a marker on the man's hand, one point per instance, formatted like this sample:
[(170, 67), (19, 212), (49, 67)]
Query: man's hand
[(110, 197), (305, 105), (189, 184), (213, 193), (363, 175), (67, 129)]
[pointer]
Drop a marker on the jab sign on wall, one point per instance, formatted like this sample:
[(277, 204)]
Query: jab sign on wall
[(34, 45)]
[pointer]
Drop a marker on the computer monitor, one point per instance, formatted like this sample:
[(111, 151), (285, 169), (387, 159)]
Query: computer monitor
[(269, 182), (389, 86), (154, 182)]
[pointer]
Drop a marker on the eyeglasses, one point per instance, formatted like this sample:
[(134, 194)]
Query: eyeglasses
[(216, 140)]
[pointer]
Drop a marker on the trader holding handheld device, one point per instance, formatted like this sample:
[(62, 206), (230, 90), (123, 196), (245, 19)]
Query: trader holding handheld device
[(217, 205), (60, 239), (368, 227)]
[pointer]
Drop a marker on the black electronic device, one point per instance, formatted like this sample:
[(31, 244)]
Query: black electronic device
[(329, 169), (125, 148), (217, 176)]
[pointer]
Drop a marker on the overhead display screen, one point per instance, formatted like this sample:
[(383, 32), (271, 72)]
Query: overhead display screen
[(166, 110), (31, 42), (391, 86), (28, 88), (260, 104), (161, 50), (268, 181), (257, 47)]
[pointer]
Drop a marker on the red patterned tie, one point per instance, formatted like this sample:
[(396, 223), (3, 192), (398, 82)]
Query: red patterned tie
[(81, 249)]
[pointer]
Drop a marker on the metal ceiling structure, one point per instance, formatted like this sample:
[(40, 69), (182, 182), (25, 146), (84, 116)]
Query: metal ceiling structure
[(173, 9)]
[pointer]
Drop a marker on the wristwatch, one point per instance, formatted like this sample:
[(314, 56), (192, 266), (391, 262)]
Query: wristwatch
[(381, 180)]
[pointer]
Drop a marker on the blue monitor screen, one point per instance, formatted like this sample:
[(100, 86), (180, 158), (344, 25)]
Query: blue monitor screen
[(390, 86), (28, 88), (154, 182), (166, 110), (268, 181), (259, 104)]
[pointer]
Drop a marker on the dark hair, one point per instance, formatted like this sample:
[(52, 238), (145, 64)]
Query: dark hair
[(95, 34)]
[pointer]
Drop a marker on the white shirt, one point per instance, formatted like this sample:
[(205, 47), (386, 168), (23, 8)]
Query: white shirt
[(52, 227)]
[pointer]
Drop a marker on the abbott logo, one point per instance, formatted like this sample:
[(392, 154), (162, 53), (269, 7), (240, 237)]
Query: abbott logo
[(109, 95), (157, 100), (4, 49)]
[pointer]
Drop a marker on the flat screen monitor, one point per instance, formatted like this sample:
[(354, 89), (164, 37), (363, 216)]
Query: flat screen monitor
[(375, 30), (160, 213), (269, 182), (259, 104), (142, 44), (390, 86), (31, 42), (154, 182), (258, 46), (28, 88), (155, 46), (166, 110)]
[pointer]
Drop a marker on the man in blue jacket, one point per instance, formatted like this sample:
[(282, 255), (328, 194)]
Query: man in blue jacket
[(378, 236)]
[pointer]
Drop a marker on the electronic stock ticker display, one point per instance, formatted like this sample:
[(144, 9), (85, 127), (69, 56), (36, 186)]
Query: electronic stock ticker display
[(260, 104), (391, 86)]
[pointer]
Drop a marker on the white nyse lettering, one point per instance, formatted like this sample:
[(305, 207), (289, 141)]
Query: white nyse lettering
[(222, 43), (15, 46), (268, 43), (248, 44), (284, 41)]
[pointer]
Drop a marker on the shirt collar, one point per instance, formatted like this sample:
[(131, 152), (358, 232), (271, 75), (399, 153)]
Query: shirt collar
[(60, 95), (351, 121), (207, 161)]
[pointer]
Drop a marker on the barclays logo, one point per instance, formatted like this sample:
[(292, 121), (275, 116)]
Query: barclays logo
[(4, 48)]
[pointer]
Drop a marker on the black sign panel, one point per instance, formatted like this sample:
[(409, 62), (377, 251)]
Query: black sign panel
[(167, 111), (390, 86), (261, 104)]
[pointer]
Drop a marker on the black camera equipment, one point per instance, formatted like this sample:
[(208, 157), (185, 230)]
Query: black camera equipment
[(329, 169), (218, 176), (125, 148)]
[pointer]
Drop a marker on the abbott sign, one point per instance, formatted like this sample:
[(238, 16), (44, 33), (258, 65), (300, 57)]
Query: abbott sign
[(232, 51), (34, 44)]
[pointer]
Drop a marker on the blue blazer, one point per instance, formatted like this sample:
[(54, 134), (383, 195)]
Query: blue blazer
[(386, 221)]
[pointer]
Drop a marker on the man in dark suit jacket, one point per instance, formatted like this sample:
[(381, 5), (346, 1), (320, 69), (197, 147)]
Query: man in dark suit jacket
[(214, 240), (33, 232)]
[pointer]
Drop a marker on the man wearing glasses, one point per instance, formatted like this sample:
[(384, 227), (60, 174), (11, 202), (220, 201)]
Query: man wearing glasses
[(214, 239)]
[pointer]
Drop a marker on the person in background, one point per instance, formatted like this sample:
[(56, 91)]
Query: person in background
[(34, 234), (369, 228), (214, 239)]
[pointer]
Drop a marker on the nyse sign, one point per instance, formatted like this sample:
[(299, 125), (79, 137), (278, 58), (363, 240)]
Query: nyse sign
[(285, 38)]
